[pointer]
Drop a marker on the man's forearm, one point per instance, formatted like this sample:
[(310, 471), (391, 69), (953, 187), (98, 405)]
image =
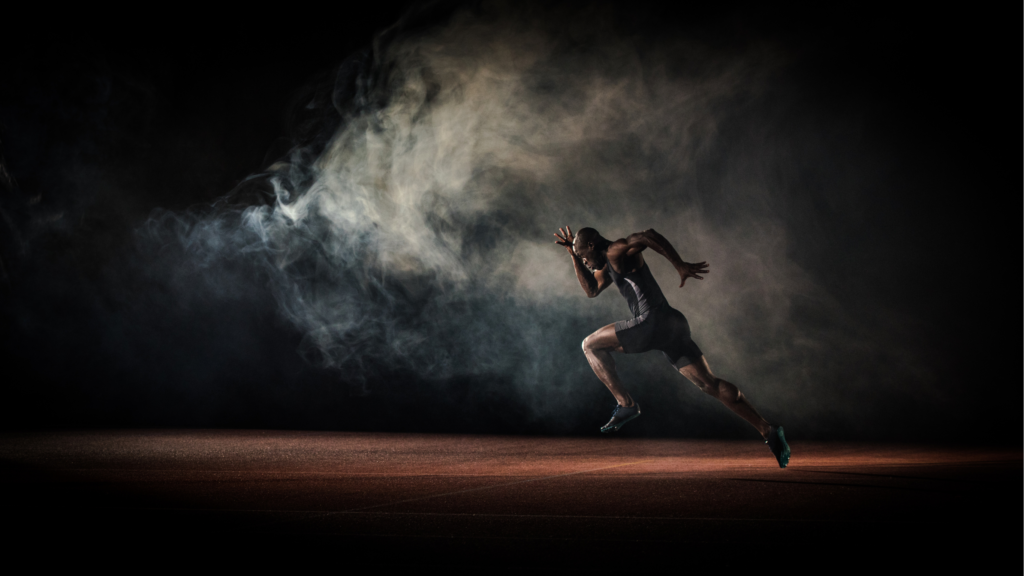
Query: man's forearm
[(659, 244), (584, 275)]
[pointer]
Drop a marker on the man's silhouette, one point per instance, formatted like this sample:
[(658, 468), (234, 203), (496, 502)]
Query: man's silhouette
[(655, 325)]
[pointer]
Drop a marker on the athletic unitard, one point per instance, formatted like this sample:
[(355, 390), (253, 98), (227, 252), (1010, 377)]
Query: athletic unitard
[(655, 325)]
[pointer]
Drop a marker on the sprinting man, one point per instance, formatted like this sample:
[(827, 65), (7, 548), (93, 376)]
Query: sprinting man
[(655, 325)]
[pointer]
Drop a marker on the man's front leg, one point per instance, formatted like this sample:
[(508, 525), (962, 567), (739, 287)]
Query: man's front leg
[(598, 347)]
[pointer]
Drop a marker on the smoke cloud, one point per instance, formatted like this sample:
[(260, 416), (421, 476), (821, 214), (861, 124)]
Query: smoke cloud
[(410, 226)]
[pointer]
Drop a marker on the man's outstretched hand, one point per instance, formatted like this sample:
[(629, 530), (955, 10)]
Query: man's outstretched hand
[(565, 238), (687, 270)]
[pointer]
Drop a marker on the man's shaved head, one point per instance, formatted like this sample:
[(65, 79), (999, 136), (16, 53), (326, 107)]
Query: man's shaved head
[(586, 236), (589, 245)]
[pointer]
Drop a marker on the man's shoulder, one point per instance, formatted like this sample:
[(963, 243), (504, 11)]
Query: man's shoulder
[(618, 253), (620, 244)]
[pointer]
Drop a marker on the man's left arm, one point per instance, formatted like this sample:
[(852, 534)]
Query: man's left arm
[(650, 238)]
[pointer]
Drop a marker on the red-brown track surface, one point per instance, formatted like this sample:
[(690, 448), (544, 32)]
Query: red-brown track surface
[(413, 499)]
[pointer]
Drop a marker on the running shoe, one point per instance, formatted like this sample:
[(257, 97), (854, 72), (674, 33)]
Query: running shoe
[(777, 444), (620, 416)]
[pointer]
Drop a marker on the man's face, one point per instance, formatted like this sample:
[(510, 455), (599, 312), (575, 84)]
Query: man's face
[(586, 253)]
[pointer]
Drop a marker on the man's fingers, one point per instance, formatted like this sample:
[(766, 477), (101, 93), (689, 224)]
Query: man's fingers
[(698, 277), (564, 236)]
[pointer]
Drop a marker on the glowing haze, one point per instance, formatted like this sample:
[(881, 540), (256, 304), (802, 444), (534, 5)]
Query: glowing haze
[(414, 229)]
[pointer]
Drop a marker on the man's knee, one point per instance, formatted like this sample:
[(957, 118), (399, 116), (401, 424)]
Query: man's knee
[(601, 341), (591, 344)]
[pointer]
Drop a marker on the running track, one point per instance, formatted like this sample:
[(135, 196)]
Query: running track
[(364, 500)]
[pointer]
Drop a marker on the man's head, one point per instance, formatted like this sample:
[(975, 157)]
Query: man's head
[(590, 246)]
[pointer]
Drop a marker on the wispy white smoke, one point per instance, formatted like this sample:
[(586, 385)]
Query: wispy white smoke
[(419, 234)]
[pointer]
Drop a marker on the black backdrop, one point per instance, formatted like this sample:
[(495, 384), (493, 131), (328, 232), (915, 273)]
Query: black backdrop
[(107, 116)]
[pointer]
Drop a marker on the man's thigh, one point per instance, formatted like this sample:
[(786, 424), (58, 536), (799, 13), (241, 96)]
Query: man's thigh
[(603, 338)]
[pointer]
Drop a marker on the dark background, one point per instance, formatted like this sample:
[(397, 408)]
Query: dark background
[(105, 117)]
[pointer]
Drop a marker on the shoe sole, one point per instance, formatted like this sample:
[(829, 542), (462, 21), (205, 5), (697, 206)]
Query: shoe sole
[(619, 425)]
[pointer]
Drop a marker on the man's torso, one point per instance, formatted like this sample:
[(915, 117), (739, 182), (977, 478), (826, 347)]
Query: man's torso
[(639, 288)]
